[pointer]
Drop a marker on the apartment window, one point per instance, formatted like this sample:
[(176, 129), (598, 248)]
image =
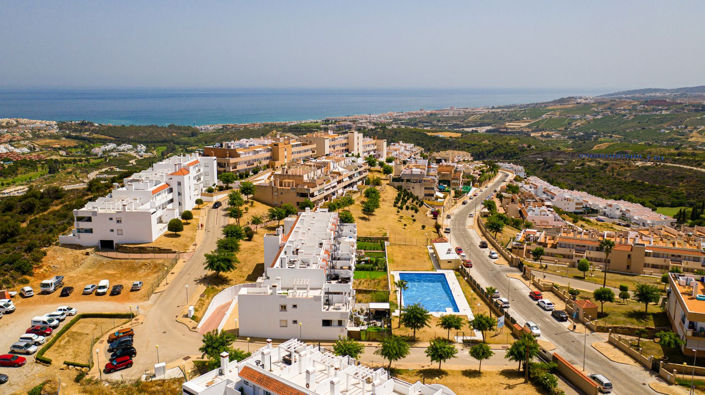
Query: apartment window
[(327, 323), (110, 219), (340, 322), (283, 323), (84, 219), (293, 306), (294, 322), (119, 232), (84, 230), (282, 307), (118, 220), (112, 230)]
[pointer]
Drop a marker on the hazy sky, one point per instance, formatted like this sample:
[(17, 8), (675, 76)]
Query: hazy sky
[(437, 44)]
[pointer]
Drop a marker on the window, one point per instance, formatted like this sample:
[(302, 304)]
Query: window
[(119, 232), (118, 220), (112, 230), (295, 322), (282, 307), (327, 323), (293, 306), (110, 219), (340, 322), (84, 230), (283, 323), (84, 219)]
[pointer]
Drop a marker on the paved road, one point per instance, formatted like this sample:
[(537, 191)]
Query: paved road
[(626, 379)]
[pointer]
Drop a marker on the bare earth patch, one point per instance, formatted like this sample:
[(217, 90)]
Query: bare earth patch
[(507, 381), (75, 344)]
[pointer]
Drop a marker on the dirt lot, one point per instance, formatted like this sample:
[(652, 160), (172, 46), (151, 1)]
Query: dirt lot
[(182, 241), (507, 381), (409, 257), (75, 344), (56, 143)]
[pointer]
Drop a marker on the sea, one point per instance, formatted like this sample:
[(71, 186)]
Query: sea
[(216, 106)]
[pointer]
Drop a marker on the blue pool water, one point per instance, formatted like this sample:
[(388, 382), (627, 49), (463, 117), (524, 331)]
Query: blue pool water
[(431, 290)]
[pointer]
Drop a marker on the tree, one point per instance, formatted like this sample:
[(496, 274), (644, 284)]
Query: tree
[(449, 322), (226, 179), (235, 231), (646, 294), (415, 317), (230, 244), (537, 253), (603, 295), (483, 323), (494, 225), (393, 349), (289, 209), (276, 214), (584, 266), (664, 279), (371, 161), (199, 201), (481, 351), (306, 204), (256, 220), (220, 261), (187, 215), (346, 217), (389, 159), (624, 295), (236, 212), (247, 188), (669, 339), (525, 346), (490, 205), (249, 233), (401, 285), (386, 169), (235, 199), (606, 246), (440, 350), (347, 346), (214, 343), (175, 226), (368, 207)]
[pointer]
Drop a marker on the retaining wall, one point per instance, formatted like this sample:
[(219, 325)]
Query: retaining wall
[(228, 295), (575, 376), (623, 345)]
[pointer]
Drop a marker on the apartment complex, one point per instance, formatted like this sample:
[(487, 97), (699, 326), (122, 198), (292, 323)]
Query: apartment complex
[(403, 151), (425, 179), (296, 368), (306, 290), (246, 154), (139, 211), (340, 144), (318, 180), (685, 308)]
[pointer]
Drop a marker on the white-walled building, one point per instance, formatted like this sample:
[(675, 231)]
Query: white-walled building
[(306, 290), (295, 368), (139, 211)]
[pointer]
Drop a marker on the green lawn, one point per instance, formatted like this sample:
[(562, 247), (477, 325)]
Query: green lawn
[(19, 179), (364, 275), (670, 211), (630, 313), (375, 254), (369, 245)]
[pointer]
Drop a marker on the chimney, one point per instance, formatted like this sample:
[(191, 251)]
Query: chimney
[(224, 361), (334, 386), (309, 378), (267, 359), (695, 288), (269, 344)]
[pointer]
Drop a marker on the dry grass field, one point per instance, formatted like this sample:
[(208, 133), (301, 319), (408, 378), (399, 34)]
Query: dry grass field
[(75, 344), (507, 381)]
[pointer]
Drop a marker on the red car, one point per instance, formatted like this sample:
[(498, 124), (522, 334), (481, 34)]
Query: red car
[(467, 263), (40, 330), (458, 250), (12, 360), (535, 295), (118, 364)]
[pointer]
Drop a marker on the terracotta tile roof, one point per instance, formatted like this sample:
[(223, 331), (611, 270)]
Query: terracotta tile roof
[(676, 251), (268, 383), (159, 189), (585, 304), (181, 172), (575, 240), (195, 162), (622, 247)]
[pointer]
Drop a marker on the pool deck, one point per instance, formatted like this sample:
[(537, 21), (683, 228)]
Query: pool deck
[(455, 289)]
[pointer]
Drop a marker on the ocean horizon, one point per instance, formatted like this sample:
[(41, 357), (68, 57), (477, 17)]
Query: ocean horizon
[(142, 106)]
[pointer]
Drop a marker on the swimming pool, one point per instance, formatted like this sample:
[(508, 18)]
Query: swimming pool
[(431, 290)]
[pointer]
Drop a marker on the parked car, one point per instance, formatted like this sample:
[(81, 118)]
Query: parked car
[(119, 343), (458, 250), (3, 378), (6, 306), (136, 286), (495, 294), (483, 244), (465, 202), (118, 364), (217, 204), (44, 320), (120, 333), (604, 385), (42, 330), (32, 338), (23, 348), (448, 216), (68, 310), (125, 351), (446, 230), (12, 360), (103, 287), (467, 263), (117, 290), (66, 291), (88, 289), (493, 255), (532, 328), (560, 315), (51, 285), (504, 302), (57, 315), (535, 295), (471, 215), (26, 292), (546, 304)]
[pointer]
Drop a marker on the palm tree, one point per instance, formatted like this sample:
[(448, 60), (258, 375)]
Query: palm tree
[(402, 285), (606, 246)]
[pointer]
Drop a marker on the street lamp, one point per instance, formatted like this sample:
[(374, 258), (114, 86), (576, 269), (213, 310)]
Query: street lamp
[(248, 344), (692, 376), (157, 347), (97, 361), (300, 325), (585, 340), (187, 295)]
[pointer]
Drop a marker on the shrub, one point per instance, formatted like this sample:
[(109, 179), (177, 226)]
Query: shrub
[(249, 233)]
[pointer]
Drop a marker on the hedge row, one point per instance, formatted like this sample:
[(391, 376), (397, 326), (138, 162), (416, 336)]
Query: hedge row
[(40, 355)]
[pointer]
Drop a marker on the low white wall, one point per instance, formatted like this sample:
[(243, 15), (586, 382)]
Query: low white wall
[(227, 295)]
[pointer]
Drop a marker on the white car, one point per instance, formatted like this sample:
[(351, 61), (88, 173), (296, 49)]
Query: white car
[(504, 302), (26, 292), (57, 315), (103, 287), (6, 306), (32, 338), (68, 310), (546, 304), (533, 328), (23, 348), (493, 255)]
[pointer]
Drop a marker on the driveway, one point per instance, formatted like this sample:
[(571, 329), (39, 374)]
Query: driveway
[(570, 345)]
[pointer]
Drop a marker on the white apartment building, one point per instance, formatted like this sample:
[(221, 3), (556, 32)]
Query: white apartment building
[(139, 211), (295, 368), (306, 291), (355, 143), (685, 308)]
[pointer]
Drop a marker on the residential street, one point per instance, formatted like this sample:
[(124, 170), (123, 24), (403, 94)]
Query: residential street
[(626, 379)]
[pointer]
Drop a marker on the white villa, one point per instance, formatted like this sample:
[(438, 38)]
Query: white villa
[(306, 289), (295, 368), (140, 211)]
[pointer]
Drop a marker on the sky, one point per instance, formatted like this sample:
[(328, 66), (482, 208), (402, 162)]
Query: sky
[(352, 44)]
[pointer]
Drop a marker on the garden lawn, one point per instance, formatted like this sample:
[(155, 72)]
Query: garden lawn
[(613, 279), (359, 275)]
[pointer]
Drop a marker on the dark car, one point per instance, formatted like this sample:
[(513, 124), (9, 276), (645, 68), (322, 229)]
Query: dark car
[(40, 330), (560, 315), (3, 378), (217, 204), (66, 291), (125, 351), (118, 364), (483, 244), (117, 290), (12, 360), (120, 343)]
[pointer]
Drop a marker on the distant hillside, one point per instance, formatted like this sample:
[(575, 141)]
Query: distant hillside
[(650, 92)]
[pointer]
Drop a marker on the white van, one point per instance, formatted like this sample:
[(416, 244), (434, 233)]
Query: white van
[(103, 287), (45, 321)]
